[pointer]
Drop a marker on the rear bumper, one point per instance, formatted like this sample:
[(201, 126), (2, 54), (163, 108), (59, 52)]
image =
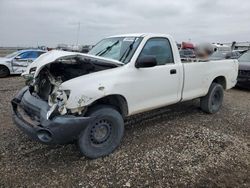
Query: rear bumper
[(29, 114)]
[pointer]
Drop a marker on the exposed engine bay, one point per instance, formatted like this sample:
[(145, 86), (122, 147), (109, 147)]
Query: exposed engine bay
[(46, 84), (53, 74)]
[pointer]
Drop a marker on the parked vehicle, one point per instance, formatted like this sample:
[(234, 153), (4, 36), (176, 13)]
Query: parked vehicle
[(232, 55), (17, 62), (187, 54), (244, 70), (219, 55), (221, 47), (85, 97), (187, 45), (240, 51)]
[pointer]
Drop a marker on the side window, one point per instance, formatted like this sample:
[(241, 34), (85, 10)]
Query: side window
[(33, 54), (30, 55), (39, 53), (24, 55), (160, 48)]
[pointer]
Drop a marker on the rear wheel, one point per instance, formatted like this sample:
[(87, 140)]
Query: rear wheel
[(4, 71), (103, 135), (212, 102)]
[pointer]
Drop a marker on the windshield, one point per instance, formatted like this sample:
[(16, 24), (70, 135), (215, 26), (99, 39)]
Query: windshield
[(12, 54), (117, 48), (245, 57)]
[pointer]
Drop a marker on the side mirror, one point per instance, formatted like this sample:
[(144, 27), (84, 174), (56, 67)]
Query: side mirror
[(18, 57), (146, 62)]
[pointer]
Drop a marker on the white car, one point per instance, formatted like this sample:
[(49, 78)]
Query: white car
[(85, 97), (17, 62)]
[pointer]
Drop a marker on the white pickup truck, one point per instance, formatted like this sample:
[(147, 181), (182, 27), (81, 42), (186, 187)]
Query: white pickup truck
[(85, 97)]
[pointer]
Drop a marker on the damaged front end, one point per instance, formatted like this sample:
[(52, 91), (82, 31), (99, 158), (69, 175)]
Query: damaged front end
[(30, 115), (47, 88), (42, 109), (46, 84)]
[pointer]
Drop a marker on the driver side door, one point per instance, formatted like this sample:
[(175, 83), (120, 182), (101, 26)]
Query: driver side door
[(156, 86)]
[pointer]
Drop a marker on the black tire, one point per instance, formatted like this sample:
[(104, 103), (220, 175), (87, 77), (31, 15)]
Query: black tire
[(94, 144), (4, 71), (212, 102)]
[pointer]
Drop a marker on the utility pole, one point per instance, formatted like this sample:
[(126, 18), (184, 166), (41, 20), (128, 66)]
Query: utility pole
[(78, 32)]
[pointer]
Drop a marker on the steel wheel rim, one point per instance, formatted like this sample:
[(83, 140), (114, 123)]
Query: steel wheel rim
[(216, 99), (100, 132)]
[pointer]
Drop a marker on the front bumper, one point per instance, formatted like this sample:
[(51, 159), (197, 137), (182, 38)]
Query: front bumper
[(30, 115)]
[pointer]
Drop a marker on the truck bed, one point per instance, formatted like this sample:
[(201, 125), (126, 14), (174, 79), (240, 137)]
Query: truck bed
[(198, 75)]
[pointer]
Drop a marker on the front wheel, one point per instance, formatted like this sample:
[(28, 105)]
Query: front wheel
[(103, 135), (212, 102), (4, 71)]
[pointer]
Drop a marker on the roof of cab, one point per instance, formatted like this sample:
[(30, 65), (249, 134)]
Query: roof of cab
[(140, 35)]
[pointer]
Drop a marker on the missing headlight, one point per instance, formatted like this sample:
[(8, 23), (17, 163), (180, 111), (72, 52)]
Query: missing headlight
[(57, 100)]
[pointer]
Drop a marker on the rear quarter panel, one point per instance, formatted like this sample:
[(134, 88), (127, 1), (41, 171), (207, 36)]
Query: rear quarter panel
[(199, 76)]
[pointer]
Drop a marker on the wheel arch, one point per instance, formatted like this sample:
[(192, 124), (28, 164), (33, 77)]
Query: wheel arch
[(115, 100), (221, 80), (5, 66)]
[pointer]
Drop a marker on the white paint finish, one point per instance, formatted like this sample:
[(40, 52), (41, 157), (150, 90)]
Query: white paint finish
[(18, 66), (6, 62), (153, 87), (14, 66), (199, 76), (144, 88)]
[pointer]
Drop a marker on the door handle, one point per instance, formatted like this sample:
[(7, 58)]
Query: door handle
[(173, 71)]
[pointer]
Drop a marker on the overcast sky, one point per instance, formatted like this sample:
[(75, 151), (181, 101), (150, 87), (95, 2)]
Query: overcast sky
[(50, 22)]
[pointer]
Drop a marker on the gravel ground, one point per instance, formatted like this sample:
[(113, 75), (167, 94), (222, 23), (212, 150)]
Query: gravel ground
[(178, 146)]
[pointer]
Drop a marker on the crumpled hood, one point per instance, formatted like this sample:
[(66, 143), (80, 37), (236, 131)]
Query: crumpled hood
[(244, 65), (54, 55)]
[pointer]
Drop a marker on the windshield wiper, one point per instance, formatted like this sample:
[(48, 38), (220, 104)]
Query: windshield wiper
[(107, 49), (128, 50)]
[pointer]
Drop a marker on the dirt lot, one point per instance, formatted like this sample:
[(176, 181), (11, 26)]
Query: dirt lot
[(177, 146)]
